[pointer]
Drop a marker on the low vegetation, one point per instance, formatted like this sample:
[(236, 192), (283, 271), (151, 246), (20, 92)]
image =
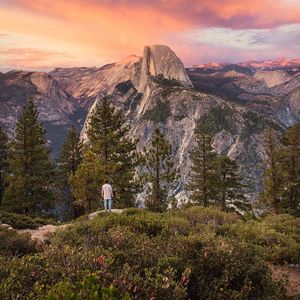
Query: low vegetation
[(19, 221), (195, 253)]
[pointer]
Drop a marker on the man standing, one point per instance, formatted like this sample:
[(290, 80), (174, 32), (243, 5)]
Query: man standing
[(107, 195)]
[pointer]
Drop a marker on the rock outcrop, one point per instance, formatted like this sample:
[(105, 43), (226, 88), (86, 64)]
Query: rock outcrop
[(272, 78), (58, 110), (159, 60), (156, 91)]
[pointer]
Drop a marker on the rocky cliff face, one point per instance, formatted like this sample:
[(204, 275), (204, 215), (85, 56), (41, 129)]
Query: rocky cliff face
[(238, 103), (85, 84), (58, 110), (155, 90), (159, 60)]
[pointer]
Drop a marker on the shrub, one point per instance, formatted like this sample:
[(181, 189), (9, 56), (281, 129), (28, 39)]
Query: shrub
[(211, 215), (148, 256), (285, 224), (19, 221), (222, 269), (271, 244), (15, 244), (132, 211), (177, 225), (89, 288)]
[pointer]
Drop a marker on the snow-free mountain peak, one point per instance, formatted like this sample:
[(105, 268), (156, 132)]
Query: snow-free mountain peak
[(161, 60)]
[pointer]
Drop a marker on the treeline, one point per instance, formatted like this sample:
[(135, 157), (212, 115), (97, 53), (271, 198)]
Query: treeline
[(282, 178), (31, 184)]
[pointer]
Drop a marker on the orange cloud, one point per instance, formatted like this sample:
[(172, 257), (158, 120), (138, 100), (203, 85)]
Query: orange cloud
[(94, 32), (32, 59), (218, 13)]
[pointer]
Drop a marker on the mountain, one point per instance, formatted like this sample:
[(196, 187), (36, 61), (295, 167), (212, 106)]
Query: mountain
[(278, 64), (58, 109), (239, 101)]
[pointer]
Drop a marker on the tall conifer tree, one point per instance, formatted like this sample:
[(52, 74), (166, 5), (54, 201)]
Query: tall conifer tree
[(229, 184), (203, 175), (68, 162), (160, 172), (3, 161), (272, 178), (29, 188), (282, 181), (113, 151), (86, 182), (289, 164)]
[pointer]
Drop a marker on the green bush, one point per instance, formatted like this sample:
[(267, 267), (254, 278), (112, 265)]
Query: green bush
[(211, 215), (18, 221), (275, 239), (15, 244), (148, 256), (285, 224), (132, 211), (89, 288)]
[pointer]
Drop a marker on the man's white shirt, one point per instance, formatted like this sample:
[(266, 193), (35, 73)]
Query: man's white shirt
[(107, 191)]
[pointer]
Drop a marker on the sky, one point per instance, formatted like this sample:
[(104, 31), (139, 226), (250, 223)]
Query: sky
[(42, 34)]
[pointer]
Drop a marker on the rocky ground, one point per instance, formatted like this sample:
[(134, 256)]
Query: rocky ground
[(42, 233), (291, 274)]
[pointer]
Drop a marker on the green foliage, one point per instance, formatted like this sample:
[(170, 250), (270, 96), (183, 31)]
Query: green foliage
[(89, 288), (19, 221), (124, 86), (69, 159), (171, 82), (229, 183), (203, 175), (210, 215), (198, 253), (86, 182), (15, 244), (255, 124), (159, 172), (221, 118), (272, 177), (132, 211), (160, 113), (214, 179), (113, 153), (3, 161), (31, 170), (267, 238), (282, 178)]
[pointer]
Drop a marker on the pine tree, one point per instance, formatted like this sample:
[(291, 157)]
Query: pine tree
[(229, 184), (68, 162), (289, 165), (160, 172), (282, 180), (272, 177), (31, 170), (110, 142), (86, 182), (3, 161), (203, 176)]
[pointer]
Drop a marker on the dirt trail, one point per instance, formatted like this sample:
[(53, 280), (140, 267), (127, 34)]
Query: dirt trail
[(41, 233), (291, 274)]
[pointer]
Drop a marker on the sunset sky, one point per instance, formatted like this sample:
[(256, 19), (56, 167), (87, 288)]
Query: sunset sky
[(41, 34)]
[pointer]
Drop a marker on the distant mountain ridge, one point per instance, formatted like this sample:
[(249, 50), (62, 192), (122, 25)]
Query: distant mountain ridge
[(239, 102), (276, 64)]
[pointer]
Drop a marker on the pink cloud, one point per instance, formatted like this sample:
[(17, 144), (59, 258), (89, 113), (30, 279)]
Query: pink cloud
[(98, 31), (234, 14)]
